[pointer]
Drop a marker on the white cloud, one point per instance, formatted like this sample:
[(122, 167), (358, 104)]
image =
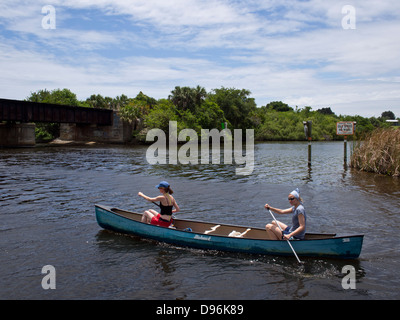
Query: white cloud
[(295, 51)]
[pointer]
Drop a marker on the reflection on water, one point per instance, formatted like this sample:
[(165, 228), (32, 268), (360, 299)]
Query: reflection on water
[(47, 198)]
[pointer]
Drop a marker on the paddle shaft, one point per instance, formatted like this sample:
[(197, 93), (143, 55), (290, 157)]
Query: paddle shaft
[(156, 204), (277, 223)]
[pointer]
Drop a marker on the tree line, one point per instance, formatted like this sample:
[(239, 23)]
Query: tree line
[(195, 108)]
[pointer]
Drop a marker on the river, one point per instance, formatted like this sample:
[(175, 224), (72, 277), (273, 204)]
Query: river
[(47, 197)]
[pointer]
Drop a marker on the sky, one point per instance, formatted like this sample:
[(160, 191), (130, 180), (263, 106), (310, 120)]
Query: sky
[(320, 53)]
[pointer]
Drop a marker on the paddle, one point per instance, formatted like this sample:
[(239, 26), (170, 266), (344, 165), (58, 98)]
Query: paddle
[(156, 204), (286, 240)]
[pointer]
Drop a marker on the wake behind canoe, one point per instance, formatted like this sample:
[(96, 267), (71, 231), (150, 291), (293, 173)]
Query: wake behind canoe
[(225, 237)]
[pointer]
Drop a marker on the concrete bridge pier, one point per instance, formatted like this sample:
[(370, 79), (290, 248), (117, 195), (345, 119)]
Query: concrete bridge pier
[(119, 132), (17, 134)]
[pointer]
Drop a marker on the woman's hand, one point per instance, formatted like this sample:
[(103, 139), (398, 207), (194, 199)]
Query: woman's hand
[(267, 206), (286, 236)]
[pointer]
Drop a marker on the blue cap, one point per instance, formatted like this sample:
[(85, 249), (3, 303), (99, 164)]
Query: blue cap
[(163, 184)]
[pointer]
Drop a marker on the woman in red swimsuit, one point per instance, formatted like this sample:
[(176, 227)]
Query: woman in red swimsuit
[(167, 203)]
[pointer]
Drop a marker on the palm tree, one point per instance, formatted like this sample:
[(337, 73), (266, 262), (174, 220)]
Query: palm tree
[(199, 95), (186, 98)]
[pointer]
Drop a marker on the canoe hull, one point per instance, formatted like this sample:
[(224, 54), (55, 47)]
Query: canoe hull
[(348, 247)]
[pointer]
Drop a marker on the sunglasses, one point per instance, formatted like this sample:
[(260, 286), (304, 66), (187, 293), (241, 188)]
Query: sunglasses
[(290, 199)]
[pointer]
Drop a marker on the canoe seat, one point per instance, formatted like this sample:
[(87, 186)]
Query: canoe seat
[(238, 234), (212, 229)]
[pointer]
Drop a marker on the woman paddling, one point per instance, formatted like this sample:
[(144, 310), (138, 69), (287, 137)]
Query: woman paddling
[(298, 228), (167, 203)]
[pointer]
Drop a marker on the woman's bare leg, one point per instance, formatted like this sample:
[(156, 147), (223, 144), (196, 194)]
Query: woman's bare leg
[(273, 231), (147, 216)]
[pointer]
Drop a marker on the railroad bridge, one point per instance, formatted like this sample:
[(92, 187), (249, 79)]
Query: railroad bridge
[(17, 123)]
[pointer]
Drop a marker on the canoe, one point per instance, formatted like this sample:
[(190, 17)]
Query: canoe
[(225, 237)]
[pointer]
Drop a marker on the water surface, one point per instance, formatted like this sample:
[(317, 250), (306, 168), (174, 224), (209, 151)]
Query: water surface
[(47, 197)]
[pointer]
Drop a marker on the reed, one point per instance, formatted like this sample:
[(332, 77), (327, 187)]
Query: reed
[(378, 152)]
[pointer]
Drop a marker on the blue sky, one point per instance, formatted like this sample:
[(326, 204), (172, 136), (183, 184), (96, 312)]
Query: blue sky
[(293, 51)]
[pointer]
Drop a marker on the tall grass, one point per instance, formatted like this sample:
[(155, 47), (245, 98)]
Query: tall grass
[(379, 152)]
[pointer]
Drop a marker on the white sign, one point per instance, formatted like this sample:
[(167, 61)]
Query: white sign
[(345, 128)]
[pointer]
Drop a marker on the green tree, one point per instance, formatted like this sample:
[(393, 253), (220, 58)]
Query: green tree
[(100, 102), (149, 100), (236, 105), (119, 102), (49, 131), (388, 115), (210, 115), (200, 94), (97, 101), (161, 114), (134, 109), (278, 106), (186, 98), (56, 96), (327, 111)]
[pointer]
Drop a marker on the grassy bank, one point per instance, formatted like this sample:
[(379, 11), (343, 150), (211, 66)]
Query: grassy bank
[(379, 152)]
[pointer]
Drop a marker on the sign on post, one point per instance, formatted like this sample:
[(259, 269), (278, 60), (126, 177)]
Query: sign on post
[(345, 128)]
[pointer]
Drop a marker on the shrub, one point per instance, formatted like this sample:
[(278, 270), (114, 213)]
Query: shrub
[(379, 152)]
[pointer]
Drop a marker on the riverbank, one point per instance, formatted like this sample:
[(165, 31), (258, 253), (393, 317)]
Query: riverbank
[(379, 152)]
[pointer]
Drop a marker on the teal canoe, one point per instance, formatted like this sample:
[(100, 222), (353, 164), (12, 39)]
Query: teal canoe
[(225, 237)]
